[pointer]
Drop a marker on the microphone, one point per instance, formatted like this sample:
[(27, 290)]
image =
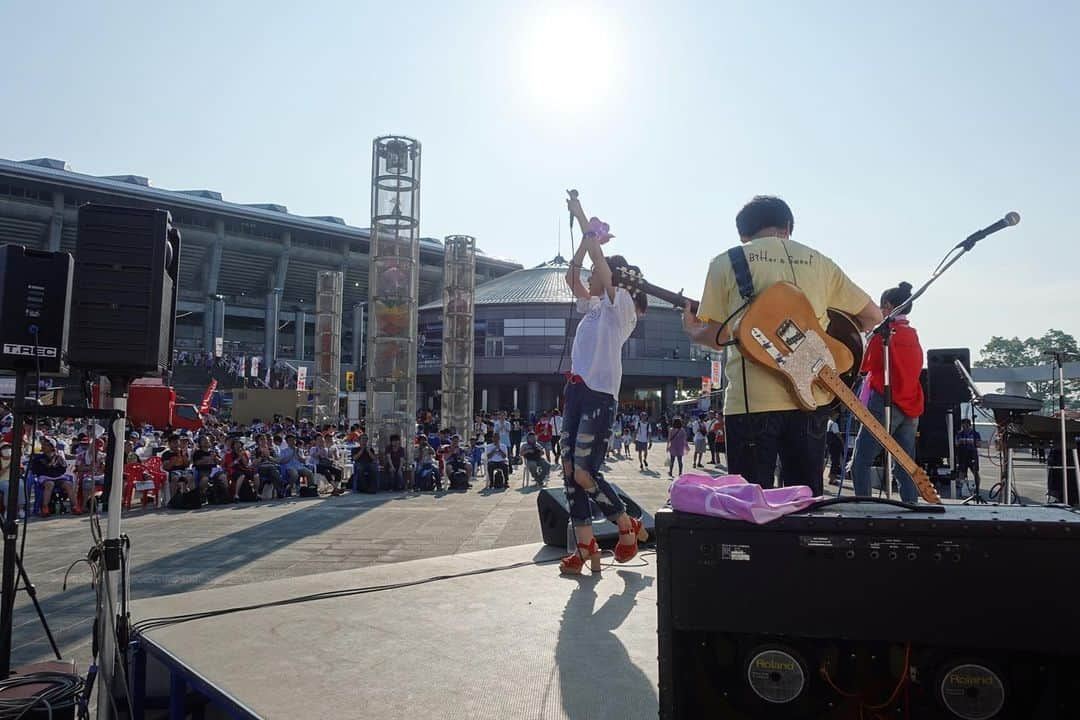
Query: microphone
[(573, 196), (1008, 221)]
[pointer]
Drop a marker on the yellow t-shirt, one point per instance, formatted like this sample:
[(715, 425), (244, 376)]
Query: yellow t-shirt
[(824, 284)]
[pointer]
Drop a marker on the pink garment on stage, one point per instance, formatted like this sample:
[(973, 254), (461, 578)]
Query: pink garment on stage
[(731, 497)]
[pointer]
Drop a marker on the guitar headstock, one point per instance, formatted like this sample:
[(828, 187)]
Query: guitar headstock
[(926, 488), (628, 278)]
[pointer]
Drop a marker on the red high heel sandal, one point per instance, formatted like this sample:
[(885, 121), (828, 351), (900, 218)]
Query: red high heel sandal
[(625, 552), (572, 564)]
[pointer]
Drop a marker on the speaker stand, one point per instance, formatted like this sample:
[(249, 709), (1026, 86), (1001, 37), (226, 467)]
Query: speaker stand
[(11, 559)]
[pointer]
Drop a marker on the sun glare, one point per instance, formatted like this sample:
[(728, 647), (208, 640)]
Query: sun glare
[(569, 58)]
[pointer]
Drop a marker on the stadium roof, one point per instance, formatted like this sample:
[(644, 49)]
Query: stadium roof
[(544, 284), (55, 170)]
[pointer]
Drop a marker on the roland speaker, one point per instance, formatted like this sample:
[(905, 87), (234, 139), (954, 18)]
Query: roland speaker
[(123, 309)]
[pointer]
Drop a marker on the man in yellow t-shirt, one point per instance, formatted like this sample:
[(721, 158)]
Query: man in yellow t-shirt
[(762, 419)]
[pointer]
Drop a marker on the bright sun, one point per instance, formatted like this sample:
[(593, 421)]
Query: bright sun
[(569, 58)]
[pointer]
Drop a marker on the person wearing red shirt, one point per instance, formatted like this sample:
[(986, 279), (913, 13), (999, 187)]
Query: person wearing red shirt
[(545, 430), (905, 364)]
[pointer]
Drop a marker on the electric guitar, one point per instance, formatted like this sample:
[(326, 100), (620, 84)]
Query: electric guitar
[(781, 332), (842, 327)]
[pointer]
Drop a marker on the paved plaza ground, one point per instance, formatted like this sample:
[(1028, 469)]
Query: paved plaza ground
[(182, 551)]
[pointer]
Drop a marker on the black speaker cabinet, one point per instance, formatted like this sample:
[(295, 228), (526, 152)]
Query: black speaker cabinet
[(554, 512), (861, 611), (123, 306), (35, 292), (945, 385)]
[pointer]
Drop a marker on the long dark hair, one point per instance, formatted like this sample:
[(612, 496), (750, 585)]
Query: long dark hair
[(641, 301), (899, 297)]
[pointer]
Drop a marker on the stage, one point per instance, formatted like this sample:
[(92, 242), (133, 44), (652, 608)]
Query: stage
[(512, 643)]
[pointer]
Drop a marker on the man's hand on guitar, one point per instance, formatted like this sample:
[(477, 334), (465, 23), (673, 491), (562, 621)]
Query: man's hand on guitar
[(690, 322)]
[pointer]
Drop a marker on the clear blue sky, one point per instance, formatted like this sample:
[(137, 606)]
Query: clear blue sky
[(893, 129)]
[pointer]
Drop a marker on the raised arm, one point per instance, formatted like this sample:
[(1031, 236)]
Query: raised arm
[(573, 273)]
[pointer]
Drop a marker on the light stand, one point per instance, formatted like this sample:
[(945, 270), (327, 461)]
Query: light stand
[(885, 328), (1059, 360)]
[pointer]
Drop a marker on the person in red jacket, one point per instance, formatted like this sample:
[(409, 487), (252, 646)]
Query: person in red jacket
[(905, 364)]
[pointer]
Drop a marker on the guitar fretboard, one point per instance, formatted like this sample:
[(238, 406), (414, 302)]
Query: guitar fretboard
[(828, 377)]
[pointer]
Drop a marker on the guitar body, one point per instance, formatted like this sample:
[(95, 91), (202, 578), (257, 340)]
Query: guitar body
[(794, 341), (779, 331)]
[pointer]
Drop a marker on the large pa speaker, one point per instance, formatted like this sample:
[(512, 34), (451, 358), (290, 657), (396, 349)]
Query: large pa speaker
[(123, 307), (554, 511), (855, 611), (35, 291), (945, 385)]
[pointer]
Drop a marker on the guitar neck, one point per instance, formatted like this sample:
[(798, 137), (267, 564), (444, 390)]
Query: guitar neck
[(675, 298), (830, 379)]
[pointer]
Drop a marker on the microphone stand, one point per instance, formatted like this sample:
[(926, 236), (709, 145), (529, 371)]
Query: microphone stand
[(885, 330)]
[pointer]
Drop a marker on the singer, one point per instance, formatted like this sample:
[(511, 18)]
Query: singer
[(905, 363), (610, 315)]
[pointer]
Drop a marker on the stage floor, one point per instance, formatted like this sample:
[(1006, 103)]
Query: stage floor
[(515, 643)]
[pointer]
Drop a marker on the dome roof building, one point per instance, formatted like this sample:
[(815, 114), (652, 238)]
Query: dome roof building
[(524, 331)]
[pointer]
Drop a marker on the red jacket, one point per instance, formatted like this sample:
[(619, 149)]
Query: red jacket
[(906, 362)]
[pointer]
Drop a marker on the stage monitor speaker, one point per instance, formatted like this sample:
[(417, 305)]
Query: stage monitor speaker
[(554, 511), (932, 438), (945, 385), (749, 624), (35, 294), (123, 310)]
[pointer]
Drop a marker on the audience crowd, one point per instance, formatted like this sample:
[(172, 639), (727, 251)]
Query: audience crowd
[(64, 467)]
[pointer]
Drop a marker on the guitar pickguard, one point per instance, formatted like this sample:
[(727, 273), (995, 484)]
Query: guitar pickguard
[(802, 364)]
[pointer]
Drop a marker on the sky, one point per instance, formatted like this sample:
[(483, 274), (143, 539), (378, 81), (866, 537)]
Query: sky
[(893, 130)]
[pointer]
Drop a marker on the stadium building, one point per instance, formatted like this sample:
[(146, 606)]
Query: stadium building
[(256, 264)]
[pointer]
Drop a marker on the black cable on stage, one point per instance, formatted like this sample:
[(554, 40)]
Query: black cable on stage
[(150, 624)]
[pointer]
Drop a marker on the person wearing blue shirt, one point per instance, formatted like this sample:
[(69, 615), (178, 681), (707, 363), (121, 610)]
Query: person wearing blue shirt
[(968, 442), (293, 467)]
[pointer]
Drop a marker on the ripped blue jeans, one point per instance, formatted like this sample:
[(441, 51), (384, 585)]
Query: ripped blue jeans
[(585, 431)]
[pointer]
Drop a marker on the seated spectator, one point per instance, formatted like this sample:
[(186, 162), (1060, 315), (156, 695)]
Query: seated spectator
[(535, 462), (89, 468), (496, 455), (5, 473), (240, 471), (365, 467), (394, 459), (476, 454), (292, 462), (205, 463), (324, 465), (266, 461), (51, 468), (427, 476), (456, 463), (354, 433), (177, 463)]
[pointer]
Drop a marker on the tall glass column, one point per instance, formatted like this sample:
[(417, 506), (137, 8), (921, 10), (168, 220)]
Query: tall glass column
[(459, 282), (393, 288)]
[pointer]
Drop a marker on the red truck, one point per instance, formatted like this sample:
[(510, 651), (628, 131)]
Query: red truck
[(151, 402)]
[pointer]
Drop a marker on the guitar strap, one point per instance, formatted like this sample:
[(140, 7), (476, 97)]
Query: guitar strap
[(741, 268)]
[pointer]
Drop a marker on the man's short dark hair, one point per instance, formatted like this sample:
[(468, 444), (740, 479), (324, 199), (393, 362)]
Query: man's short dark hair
[(764, 211)]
